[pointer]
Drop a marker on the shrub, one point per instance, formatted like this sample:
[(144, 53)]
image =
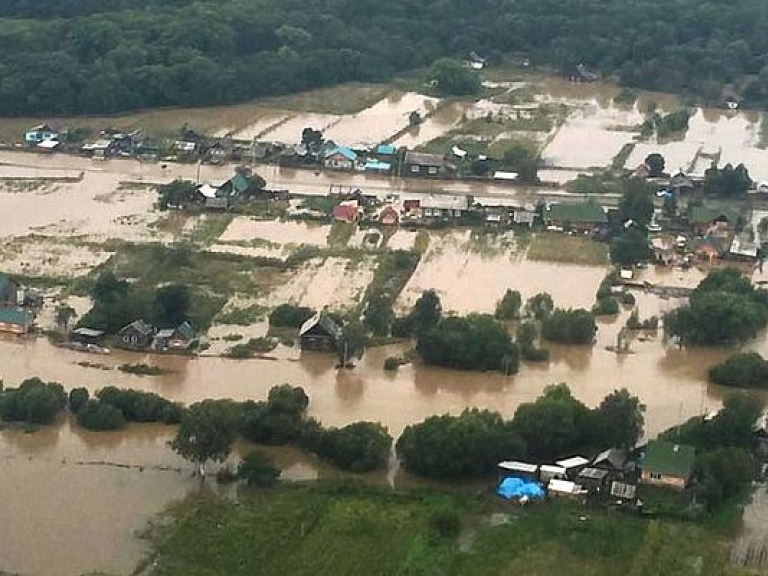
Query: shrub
[(138, 406), (606, 307), (290, 316), (33, 401), (745, 370), (254, 346), (77, 399), (358, 447), (569, 326), (258, 470), (392, 363), (96, 415), (508, 308)]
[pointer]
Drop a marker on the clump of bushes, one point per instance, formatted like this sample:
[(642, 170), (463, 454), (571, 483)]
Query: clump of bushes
[(96, 415), (254, 346), (572, 326), (258, 470), (606, 307), (634, 322), (138, 406), (743, 370), (290, 316), (526, 343), (34, 401), (142, 369)]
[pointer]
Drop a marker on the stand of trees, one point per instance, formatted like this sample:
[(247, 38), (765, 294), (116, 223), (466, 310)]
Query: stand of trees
[(86, 56), (34, 401), (572, 326), (555, 425), (742, 370), (723, 309)]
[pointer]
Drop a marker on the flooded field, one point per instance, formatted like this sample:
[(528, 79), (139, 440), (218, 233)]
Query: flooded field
[(244, 229)]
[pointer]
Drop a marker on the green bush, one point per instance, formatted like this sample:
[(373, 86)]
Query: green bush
[(77, 399), (290, 316), (96, 415), (508, 308), (744, 370), (569, 326), (606, 307), (138, 406), (258, 470), (358, 447), (34, 401)]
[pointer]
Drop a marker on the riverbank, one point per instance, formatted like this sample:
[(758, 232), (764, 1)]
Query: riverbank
[(351, 530)]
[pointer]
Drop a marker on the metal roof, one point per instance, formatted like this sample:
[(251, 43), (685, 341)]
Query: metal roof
[(573, 462), (515, 466)]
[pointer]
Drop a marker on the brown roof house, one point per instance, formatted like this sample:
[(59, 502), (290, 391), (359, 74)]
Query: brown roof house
[(389, 216), (419, 164), (136, 335), (320, 333), (346, 212), (668, 464)]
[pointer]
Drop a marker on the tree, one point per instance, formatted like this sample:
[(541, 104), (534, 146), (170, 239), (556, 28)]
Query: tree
[(618, 420), (34, 401), (724, 474), (526, 343), (77, 399), (453, 79), (474, 342), (177, 194), (258, 470), (523, 159), (636, 203), (728, 182), (553, 426), (288, 399), (95, 415), (311, 138), (64, 315), (744, 370), (655, 163), (453, 447), (508, 308), (378, 316), (427, 311), (207, 431), (540, 306), (358, 447), (630, 247), (569, 326), (353, 342), (172, 304), (290, 316)]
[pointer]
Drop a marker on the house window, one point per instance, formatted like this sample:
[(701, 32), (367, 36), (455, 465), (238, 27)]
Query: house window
[(432, 170), (655, 476), (414, 169)]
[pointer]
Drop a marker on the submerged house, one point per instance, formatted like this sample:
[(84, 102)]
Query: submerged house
[(15, 321), (136, 335), (179, 338), (320, 333), (668, 464)]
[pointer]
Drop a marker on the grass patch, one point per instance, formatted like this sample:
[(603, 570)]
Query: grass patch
[(604, 182), (352, 530), (252, 347), (342, 99), (143, 369), (242, 316), (172, 222), (209, 227), (340, 234), (567, 249)]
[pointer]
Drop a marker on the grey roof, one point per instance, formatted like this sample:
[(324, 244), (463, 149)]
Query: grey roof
[(593, 473), (88, 332), (166, 333), (325, 322), (424, 159), (613, 456), (140, 326)]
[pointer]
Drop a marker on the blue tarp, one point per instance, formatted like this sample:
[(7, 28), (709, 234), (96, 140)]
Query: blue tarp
[(512, 487)]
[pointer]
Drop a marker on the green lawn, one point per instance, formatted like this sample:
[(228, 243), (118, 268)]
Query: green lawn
[(334, 530), (557, 247)]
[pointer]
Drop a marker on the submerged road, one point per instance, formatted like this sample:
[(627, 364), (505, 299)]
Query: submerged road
[(297, 181)]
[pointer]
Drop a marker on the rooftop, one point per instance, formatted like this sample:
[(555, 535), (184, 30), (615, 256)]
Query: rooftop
[(445, 202), (515, 466), (669, 459), (14, 316), (423, 159), (572, 462), (325, 322), (345, 151)]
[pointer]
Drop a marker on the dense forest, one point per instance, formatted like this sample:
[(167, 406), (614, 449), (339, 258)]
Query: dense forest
[(75, 56)]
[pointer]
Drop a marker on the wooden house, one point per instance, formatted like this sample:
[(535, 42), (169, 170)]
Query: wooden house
[(179, 338), (320, 333), (9, 292), (389, 216), (667, 464), (15, 321), (86, 335), (593, 479), (340, 158), (613, 460), (136, 335), (581, 217), (346, 213), (420, 164), (40, 133)]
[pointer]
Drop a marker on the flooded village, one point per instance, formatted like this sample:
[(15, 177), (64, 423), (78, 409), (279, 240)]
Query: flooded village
[(325, 207)]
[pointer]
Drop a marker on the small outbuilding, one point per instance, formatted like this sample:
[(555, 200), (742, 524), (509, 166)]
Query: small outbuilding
[(86, 335), (564, 488), (179, 338), (614, 460), (593, 479), (320, 333), (573, 465), (549, 472)]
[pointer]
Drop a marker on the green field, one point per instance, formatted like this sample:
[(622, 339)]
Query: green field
[(347, 530)]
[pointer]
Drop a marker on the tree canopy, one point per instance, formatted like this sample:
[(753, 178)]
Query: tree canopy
[(744, 370), (207, 432), (572, 326)]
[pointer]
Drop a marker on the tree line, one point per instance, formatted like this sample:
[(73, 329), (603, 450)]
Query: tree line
[(65, 57)]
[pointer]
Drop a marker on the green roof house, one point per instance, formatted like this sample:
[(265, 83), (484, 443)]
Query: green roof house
[(585, 216), (8, 292), (668, 464)]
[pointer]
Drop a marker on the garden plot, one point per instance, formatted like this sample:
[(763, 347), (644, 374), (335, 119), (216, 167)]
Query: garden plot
[(56, 258), (277, 232), (472, 277), (335, 282)]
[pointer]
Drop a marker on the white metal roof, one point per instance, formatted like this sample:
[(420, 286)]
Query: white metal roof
[(208, 191), (48, 144), (573, 462), (563, 486), (550, 469), (500, 175), (515, 466)]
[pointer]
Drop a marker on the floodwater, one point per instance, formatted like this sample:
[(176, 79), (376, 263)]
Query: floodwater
[(243, 228), (751, 547), (289, 131), (381, 121)]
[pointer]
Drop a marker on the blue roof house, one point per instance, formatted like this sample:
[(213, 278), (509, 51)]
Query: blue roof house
[(41, 133), (340, 158), (386, 150)]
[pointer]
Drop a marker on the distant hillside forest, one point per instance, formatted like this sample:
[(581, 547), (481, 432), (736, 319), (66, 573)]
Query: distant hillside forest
[(95, 56)]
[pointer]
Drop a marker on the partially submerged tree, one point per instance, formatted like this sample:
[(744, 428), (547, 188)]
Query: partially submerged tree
[(207, 431)]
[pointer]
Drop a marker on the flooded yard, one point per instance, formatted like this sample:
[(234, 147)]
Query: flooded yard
[(244, 229)]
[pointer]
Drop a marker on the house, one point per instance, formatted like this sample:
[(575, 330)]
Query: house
[(583, 217), (715, 222), (15, 321), (667, 464), (496, 215), (573, 465), (216, 153), (86, 335), (524, 217), (681, 184), (613, 460), (340, 158), (444, 206), (549, 472), (9, 292), (386, 150), (389, 216), (593, 479), (100, 148), (222, 196), (476, 61), (664, 251), (420, 164), (519, 469), (346, 213), (320, 333), (38, 134), (185, 147), (179, 338), (136, 335), (744, 248), (237, 186), (504, 175)]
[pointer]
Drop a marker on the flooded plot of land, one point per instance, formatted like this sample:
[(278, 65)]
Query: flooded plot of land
[(473, 278), (39, 256), (558, 176), (402, 240), (444, 119), (265, 121), (385, 118), (265, 250), (335, 282), (591, 136), (243, 228), (289, 132)]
